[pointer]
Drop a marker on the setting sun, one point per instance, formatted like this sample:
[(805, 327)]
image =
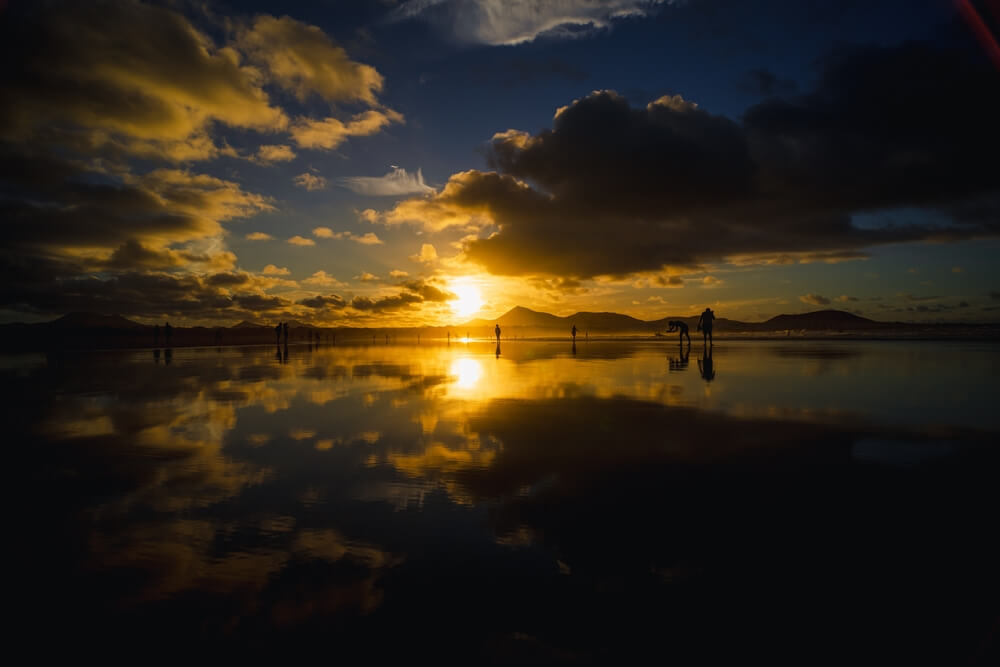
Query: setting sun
[(468, 299)]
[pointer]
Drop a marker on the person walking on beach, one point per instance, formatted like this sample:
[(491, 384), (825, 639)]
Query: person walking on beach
[(573, 332), (496, 330), (705, 325)]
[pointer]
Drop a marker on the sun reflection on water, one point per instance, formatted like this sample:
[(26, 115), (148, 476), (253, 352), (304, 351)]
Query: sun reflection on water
[(467, 372)]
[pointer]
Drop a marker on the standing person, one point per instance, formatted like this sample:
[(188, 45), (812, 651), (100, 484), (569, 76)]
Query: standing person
[(168, 333), (156, 336), (496, 330), (573, 332), (277, 333), (705, 325), (284, 330)]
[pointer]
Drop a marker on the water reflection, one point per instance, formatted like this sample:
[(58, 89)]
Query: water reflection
[(540, 504)]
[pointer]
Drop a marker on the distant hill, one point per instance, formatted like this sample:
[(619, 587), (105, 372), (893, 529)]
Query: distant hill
[(822, 320), (247, 324), (92, 320)]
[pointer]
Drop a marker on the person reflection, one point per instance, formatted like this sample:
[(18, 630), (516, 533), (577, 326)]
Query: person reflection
[(681, 363), (574, 347), (705, 365), (498, 349), (284, 354), (156, 356), (277, 352), (168, 355)]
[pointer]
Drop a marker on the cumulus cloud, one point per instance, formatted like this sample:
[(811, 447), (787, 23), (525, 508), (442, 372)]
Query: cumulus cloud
[(814, 299), (367, 277), (397, 273), (310, 181), (497, 22), (330, 302), (612, 190), (396, 183), (331, 132), (368, 215), (427, 255), (368, 238), (301, 58), (323, 279), (272, 270), (269, 154), (259, 236), (301, 241)]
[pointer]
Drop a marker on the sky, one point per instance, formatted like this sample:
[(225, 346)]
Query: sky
[(426, 162)]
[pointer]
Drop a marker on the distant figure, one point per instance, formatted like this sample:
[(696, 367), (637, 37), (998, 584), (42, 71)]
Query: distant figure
[(705, 365), (705, 325), (449, 338), (168, 333), (284, 330), (677, 325), (498, 348), (277, 333), (156, 335), (466, 336), (496, 330), (573, 332)]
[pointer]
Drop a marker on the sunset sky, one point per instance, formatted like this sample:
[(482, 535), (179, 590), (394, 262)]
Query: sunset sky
[(424, 162)]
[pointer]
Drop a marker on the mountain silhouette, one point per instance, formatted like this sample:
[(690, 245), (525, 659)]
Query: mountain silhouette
[(81, 320)]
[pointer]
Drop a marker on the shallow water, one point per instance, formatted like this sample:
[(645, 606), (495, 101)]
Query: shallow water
[(533, 503)]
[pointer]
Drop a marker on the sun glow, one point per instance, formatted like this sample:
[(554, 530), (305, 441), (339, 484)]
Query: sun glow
[(466, 372), (469, 299)]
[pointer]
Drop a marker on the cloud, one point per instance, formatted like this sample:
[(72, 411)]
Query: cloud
[(126, 76), (366, 277), (301, 241), (612, 190), (383, 304), (843, 298), (427, 254), (497, 22), (396, 183), (814, 300), (323, 279), (302, 59), (272, 270), (368, 238), (259, 236), (331, 302), (368, 215), (331, 132), (710, 281), (269, 154), (396, 273), (310, 181)]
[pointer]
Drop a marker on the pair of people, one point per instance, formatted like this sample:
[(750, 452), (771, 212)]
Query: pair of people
[(704, 326)]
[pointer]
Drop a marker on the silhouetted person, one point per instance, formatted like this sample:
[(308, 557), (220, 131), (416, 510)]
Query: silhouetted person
[(573, 332), (681, 363), (449, 338), (168, 333), (705, 325), (677, 325), (496, 330), (218, 336), (156, 335), (277, 333), (284, 330), (705, 366)]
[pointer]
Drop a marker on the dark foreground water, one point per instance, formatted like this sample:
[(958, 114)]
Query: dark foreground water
[(812, 503)]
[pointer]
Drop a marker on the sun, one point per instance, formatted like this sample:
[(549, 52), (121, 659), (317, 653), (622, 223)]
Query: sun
[(468, 299)]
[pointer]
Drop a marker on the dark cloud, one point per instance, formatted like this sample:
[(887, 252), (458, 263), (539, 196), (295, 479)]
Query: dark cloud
[(427, 291), (764, 83), (386, 303), (331, 302), (612, 190)]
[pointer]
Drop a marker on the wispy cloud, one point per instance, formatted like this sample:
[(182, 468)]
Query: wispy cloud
[(397, 182), (814, 299), (368, 238), (499, 22)]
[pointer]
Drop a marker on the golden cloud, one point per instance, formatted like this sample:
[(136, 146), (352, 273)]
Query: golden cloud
[(331, 132)]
